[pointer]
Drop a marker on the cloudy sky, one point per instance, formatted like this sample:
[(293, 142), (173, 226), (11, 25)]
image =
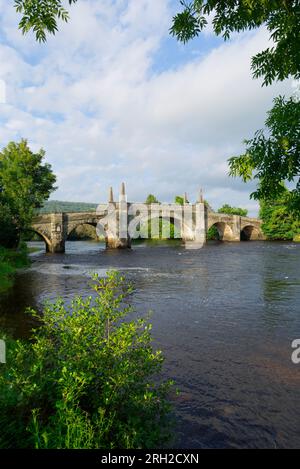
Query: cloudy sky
[(112, 97)]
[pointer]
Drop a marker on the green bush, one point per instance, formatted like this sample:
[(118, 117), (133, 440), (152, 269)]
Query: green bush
[(10, 260), (227, 209), (88, 379), (278, 221), (213, 234), (6, 274), (9, 234)]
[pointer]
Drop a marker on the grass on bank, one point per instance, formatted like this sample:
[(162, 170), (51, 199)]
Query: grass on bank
[(10, 260), (89, 378)]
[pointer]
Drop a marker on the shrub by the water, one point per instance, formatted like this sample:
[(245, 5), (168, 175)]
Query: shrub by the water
[(89, 378), (279, 222), (10, 260)]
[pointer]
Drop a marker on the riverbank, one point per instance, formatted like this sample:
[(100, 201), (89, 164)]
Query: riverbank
[(10, 261)]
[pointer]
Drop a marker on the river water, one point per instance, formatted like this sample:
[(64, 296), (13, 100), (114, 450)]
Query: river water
[(225, 317)]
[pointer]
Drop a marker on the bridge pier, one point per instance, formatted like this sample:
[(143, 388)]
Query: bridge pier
[(201, 223), (117, 236), (194, 228), (57, 239), (114, 242), (233, 235)]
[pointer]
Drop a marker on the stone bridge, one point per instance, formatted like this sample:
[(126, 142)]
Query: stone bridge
[(120, 222)]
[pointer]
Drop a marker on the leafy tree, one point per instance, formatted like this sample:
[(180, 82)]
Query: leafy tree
[(278, 222), (41, 16), (273, 154), (151, 199), (281, 17), (25, 182), (233, 210), (88, 379), (269, 158), (179, 200)]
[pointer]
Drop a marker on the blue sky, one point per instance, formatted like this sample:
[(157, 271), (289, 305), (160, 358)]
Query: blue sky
[(112, 97)]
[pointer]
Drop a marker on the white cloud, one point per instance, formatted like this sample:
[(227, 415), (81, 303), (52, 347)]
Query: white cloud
[(2, 92), (92, 98)]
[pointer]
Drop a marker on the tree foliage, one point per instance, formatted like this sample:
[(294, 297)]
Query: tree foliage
[(179, 200), (25, 182), (41, 16), (88, 379), (278, 221), (58, 206), (226, 208), (273, 154), (213, 234), (281, 17), (151, 199)]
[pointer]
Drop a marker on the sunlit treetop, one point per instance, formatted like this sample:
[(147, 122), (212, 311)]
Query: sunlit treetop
[(226, 208), (281, 17)]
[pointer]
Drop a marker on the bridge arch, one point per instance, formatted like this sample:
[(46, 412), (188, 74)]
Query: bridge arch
[(71, 229), (224, 230), (101, 229), (42, 235), (141, 224), (73, 226), (250, 233)]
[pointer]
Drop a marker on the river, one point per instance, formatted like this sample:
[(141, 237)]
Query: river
[(225, 317)]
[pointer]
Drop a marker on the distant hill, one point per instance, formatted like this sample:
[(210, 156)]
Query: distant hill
[(57, 206)]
